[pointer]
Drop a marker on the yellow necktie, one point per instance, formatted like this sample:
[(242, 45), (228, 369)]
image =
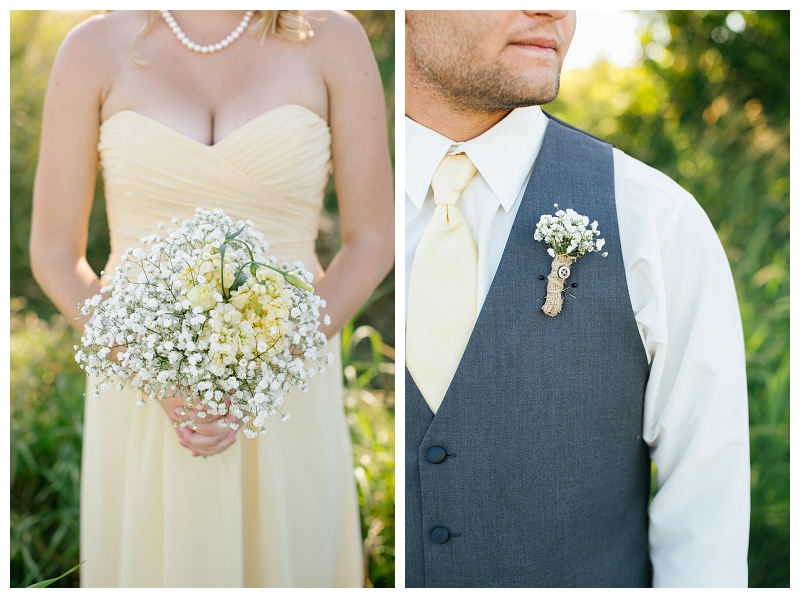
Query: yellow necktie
[(443, 296)]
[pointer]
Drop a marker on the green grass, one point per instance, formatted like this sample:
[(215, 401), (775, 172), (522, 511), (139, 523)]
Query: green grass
[(46, 426)]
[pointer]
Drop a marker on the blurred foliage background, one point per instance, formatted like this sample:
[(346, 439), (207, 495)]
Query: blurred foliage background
[(47, 386), (708, 105)]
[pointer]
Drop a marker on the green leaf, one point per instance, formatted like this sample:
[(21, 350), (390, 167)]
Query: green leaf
[(240, 280), (47, 582), (236, 234), (222, 249)]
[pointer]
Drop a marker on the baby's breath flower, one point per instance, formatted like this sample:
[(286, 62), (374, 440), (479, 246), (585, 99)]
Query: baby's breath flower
[(566, 233), (226, 350)]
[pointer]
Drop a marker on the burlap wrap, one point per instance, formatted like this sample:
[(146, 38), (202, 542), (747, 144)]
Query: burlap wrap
[(555, 285)]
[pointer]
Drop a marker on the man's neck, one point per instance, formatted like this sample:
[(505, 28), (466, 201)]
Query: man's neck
[(430, 109)]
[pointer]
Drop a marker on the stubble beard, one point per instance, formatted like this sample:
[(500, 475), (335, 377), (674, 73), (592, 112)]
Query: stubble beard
[(490, 88)]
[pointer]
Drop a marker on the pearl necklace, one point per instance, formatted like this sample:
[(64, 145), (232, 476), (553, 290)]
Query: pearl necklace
[(211, 48)]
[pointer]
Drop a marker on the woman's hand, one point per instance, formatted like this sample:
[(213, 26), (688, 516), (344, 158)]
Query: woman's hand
[(208, 439)]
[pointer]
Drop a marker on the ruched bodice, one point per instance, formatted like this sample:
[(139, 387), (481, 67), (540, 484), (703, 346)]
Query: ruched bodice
[(271, 170), (276, 511)]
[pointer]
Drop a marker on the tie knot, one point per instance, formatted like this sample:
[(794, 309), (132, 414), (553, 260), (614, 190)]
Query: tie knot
[(450, 178)]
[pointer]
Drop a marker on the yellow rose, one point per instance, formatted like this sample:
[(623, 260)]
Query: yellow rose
[(201, 295), (206, 267), (240, 298)]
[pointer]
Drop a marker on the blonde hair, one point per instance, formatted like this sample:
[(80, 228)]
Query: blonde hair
[(291, 25)]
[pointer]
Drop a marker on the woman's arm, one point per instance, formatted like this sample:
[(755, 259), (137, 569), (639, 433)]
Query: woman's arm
[(67, 170), (362, 168), (64, 189)]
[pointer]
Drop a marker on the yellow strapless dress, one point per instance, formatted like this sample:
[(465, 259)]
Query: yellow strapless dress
[(276, 511)]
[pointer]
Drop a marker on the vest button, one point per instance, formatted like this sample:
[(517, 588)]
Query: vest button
[(440, 535), (436, 455)]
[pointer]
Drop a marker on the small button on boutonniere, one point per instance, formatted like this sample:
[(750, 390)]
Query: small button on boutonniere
[(569, 236)]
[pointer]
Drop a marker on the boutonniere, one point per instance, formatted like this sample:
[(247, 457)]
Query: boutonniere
[(569, 236)]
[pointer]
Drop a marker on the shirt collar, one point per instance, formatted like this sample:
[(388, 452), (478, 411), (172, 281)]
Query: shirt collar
[(503, 155)]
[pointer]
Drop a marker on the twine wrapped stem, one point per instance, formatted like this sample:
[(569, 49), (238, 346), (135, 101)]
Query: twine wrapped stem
[(555, 284)]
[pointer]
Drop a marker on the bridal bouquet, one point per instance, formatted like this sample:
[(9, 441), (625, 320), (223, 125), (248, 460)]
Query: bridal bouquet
[(204, 314), (569, 236)]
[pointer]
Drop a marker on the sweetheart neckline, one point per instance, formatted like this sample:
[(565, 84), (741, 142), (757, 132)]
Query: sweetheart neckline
[(229, 135)]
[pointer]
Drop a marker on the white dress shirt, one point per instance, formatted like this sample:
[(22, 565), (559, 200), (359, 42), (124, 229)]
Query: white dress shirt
[(684, 302)]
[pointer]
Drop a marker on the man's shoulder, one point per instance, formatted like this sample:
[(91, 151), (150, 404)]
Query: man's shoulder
[(649, 190), (649, 183), (652, 181), (653, 197)]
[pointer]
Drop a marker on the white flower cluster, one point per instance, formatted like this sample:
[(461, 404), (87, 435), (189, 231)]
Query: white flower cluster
[(203, 314), (567, 234)]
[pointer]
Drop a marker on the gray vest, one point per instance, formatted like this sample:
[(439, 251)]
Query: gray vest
[(533, 473)]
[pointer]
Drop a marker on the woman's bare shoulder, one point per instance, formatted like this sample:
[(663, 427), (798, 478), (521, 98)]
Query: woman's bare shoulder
[(337, 31), (94, 46), (102, 33), (339, 39), (332, 22)]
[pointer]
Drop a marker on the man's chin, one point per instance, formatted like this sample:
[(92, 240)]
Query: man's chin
[(503, 103), (502, 88), (528, 95)]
